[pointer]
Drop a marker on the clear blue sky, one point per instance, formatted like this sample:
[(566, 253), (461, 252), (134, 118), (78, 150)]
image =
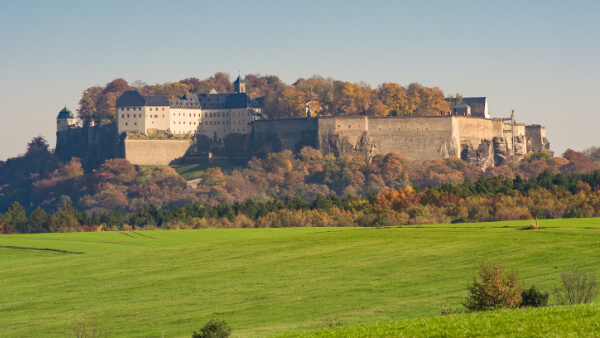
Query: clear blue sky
[(540, 58)]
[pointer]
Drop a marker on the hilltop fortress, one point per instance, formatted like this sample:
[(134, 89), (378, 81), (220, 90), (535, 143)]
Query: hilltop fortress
[(154, 130)]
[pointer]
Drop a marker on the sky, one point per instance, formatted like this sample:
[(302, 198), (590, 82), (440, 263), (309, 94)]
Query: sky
[(538, 58)]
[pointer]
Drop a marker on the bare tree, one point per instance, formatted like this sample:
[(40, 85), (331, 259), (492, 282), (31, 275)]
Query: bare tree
[(576, 287)]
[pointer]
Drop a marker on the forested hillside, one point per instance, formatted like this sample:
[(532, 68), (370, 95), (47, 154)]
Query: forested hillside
[(396, 190)]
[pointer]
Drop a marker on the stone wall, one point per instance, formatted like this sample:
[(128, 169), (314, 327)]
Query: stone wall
[(481, 142), (155, 152), (276, 135), (92, 144), (417, 138)]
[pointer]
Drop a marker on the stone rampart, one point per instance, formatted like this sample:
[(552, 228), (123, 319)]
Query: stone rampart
[(417, 138), (155, 152)]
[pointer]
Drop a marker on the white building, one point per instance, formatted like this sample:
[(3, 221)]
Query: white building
[(214, 115)]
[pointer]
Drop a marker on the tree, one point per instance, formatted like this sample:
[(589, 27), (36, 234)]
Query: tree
[(533, 297), (38, 145), (88, 105), (576, 287), (393, 96), (494, 291), (38, 221), (215, 328), (16, 217)]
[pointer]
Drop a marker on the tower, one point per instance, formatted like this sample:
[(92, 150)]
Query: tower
[(239, 86), (65, 120)]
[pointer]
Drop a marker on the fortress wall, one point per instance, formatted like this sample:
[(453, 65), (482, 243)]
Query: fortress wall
[(155, 152), (291, 132), (418, 138), (474, 130), (535, 134)]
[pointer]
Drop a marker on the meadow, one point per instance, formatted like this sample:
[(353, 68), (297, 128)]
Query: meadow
[(272, 281)]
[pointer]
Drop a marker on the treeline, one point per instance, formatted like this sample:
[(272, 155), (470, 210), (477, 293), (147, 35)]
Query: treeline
[(325, 96), (487, 199), (38, 178)]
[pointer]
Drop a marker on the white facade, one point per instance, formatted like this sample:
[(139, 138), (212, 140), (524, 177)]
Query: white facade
[(212, 117)]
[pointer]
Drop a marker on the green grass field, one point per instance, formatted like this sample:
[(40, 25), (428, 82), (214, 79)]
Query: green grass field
[(191, 171), (273, 281), (556, 321)]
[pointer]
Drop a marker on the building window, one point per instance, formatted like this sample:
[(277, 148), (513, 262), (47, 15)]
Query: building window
[(150, 109), (135, 123), (127, 108), (125, 123), (127, 115), (163, 109), (123, 115)]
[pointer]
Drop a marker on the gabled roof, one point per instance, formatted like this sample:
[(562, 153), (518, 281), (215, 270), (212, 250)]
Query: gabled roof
[(239, 80), (133, 98), (65, 114)]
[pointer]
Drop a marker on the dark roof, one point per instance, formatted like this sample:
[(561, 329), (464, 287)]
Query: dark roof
[(238, 80), (477, 105), (462, 105), (65, 114), (235, 100), (204, 101), (133, 98)]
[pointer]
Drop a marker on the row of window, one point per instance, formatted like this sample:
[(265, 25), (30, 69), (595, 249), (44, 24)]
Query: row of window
[(140, 115), (138, 108)]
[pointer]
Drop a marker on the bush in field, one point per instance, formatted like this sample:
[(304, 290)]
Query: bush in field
[(494, 291), (215, 328), (533, 297), (576, 287)]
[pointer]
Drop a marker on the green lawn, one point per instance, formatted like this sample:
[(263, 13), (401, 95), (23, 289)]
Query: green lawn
[(556, 321), (269, 281), (191, 171)]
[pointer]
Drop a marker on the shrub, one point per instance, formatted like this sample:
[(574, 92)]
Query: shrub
[(576, 287), (494, 291), (533, 297), (215, 328)]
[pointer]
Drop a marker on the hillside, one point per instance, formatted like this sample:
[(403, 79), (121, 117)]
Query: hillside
[(268, 281), (579, 320)]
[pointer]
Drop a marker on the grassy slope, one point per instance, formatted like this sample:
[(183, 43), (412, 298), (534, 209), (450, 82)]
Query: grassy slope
[(268, 281), (559, 321), (191, 171)]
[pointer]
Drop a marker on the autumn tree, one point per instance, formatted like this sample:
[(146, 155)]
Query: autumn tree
[(394, 97), (88, 104), (431, 103), (349, 99), (495, 290)]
